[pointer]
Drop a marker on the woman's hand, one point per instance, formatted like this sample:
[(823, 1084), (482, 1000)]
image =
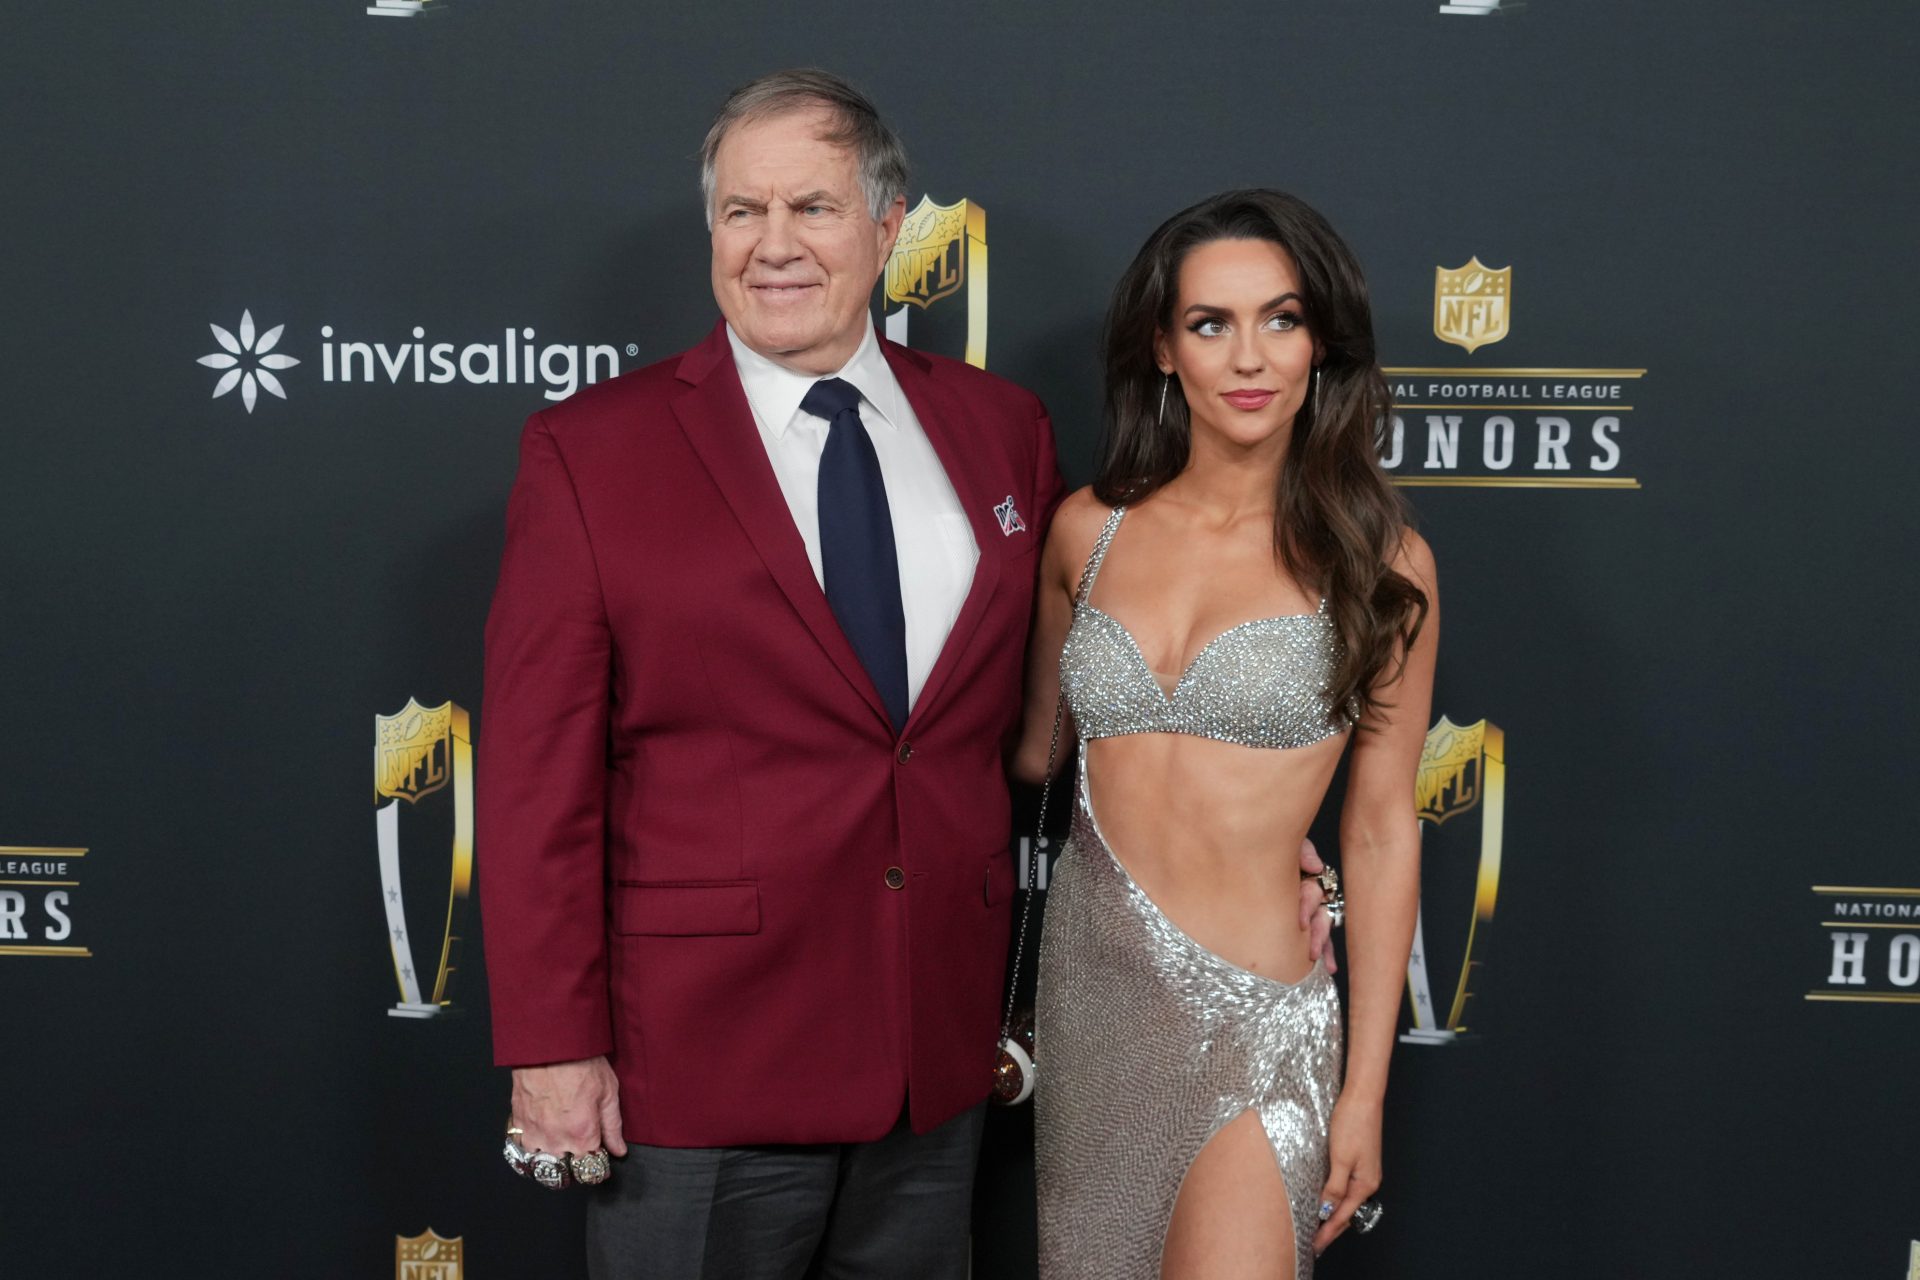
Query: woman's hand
[(1315, 922), (1353, 1174)]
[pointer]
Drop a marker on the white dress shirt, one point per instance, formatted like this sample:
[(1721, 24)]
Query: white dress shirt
[(931, 536)]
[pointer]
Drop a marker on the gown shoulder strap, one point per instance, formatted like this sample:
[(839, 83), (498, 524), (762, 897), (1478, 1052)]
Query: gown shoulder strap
[(1099, 555)]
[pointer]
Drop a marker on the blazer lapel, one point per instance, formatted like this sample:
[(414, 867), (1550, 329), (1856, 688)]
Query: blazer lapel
[(945, 423), (714, 414)]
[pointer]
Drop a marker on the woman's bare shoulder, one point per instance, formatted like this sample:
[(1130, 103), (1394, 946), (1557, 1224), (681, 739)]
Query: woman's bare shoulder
[(1414, 560), (1080, 516), (1076, 527)]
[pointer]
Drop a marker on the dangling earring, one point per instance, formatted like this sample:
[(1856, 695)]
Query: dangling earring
[(1166, 380), (1313, 396)]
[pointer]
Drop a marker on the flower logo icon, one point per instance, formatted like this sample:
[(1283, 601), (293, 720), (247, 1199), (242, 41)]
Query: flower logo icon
[(248, 362)]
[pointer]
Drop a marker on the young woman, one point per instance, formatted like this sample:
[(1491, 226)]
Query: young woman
[(1235, 601)]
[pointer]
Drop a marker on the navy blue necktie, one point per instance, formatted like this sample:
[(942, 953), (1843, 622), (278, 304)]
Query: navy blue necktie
[(857, 555)]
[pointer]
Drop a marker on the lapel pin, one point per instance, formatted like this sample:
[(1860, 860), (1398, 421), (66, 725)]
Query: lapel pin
[(1009, 518)]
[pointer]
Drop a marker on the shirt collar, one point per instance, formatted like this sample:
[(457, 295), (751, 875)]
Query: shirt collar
[(775, 391)]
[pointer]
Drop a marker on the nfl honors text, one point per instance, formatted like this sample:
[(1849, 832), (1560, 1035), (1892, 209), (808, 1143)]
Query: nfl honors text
[(1872, 944), (36, 900), (1473, 427)]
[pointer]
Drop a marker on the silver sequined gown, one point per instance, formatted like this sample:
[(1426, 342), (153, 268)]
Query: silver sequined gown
[(1148, 1043)]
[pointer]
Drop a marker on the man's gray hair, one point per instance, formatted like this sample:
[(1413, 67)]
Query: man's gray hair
[(877, 150)]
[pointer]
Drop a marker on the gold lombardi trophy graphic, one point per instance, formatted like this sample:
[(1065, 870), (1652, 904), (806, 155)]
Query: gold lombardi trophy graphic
[(1462, 768), (942, 250), (416, 753)]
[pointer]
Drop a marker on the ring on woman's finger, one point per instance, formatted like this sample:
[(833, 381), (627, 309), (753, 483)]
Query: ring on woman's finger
[(592, 1168), (1326, 1210), (517, 1156), (550, 1171), (1335, 906), (1367, 1216)]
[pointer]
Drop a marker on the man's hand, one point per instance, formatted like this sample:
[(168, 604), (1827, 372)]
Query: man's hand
[(568, 1108), (1313, 914)]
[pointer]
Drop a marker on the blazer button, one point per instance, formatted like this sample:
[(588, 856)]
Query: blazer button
[(905, 753), (896, 878)]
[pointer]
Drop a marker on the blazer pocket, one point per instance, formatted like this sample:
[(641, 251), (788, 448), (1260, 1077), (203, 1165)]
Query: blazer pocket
[(684, 910)]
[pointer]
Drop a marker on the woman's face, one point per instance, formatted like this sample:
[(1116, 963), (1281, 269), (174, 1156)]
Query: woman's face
[(1239, 344)]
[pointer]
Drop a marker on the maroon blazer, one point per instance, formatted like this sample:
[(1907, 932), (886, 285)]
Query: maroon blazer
[(704, 850)]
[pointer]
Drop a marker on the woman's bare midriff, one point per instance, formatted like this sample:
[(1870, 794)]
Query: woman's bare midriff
[(1211, 832)]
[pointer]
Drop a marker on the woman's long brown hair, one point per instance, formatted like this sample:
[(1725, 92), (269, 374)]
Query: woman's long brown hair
[(1339, 521)]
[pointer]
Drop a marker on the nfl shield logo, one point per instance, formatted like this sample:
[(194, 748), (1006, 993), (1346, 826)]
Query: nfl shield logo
[(929, 259), (427, 1256), (1472, 305), (412, 751), (1451, 766)]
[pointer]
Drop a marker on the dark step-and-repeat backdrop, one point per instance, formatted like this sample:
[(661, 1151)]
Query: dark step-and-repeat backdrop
[(283, 280)]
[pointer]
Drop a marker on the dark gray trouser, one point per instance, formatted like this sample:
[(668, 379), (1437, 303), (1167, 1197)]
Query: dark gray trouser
[(884, 1210)]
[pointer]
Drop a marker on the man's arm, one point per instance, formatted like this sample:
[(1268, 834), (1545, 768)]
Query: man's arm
[(543, 744)]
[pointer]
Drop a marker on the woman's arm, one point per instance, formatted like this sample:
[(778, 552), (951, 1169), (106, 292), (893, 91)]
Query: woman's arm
[(1380, 856), (1070, 540)]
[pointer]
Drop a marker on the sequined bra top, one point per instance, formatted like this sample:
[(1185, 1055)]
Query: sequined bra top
[(1260, 684)]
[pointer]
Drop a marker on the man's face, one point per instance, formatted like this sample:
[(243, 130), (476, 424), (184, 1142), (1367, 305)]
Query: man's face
[(795, 250)]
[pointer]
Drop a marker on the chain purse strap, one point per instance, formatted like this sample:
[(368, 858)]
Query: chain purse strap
[(1080, 594), (1033, 867)]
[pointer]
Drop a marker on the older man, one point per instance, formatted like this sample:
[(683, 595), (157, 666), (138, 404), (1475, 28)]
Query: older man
[(753, 661), (755, 652)]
